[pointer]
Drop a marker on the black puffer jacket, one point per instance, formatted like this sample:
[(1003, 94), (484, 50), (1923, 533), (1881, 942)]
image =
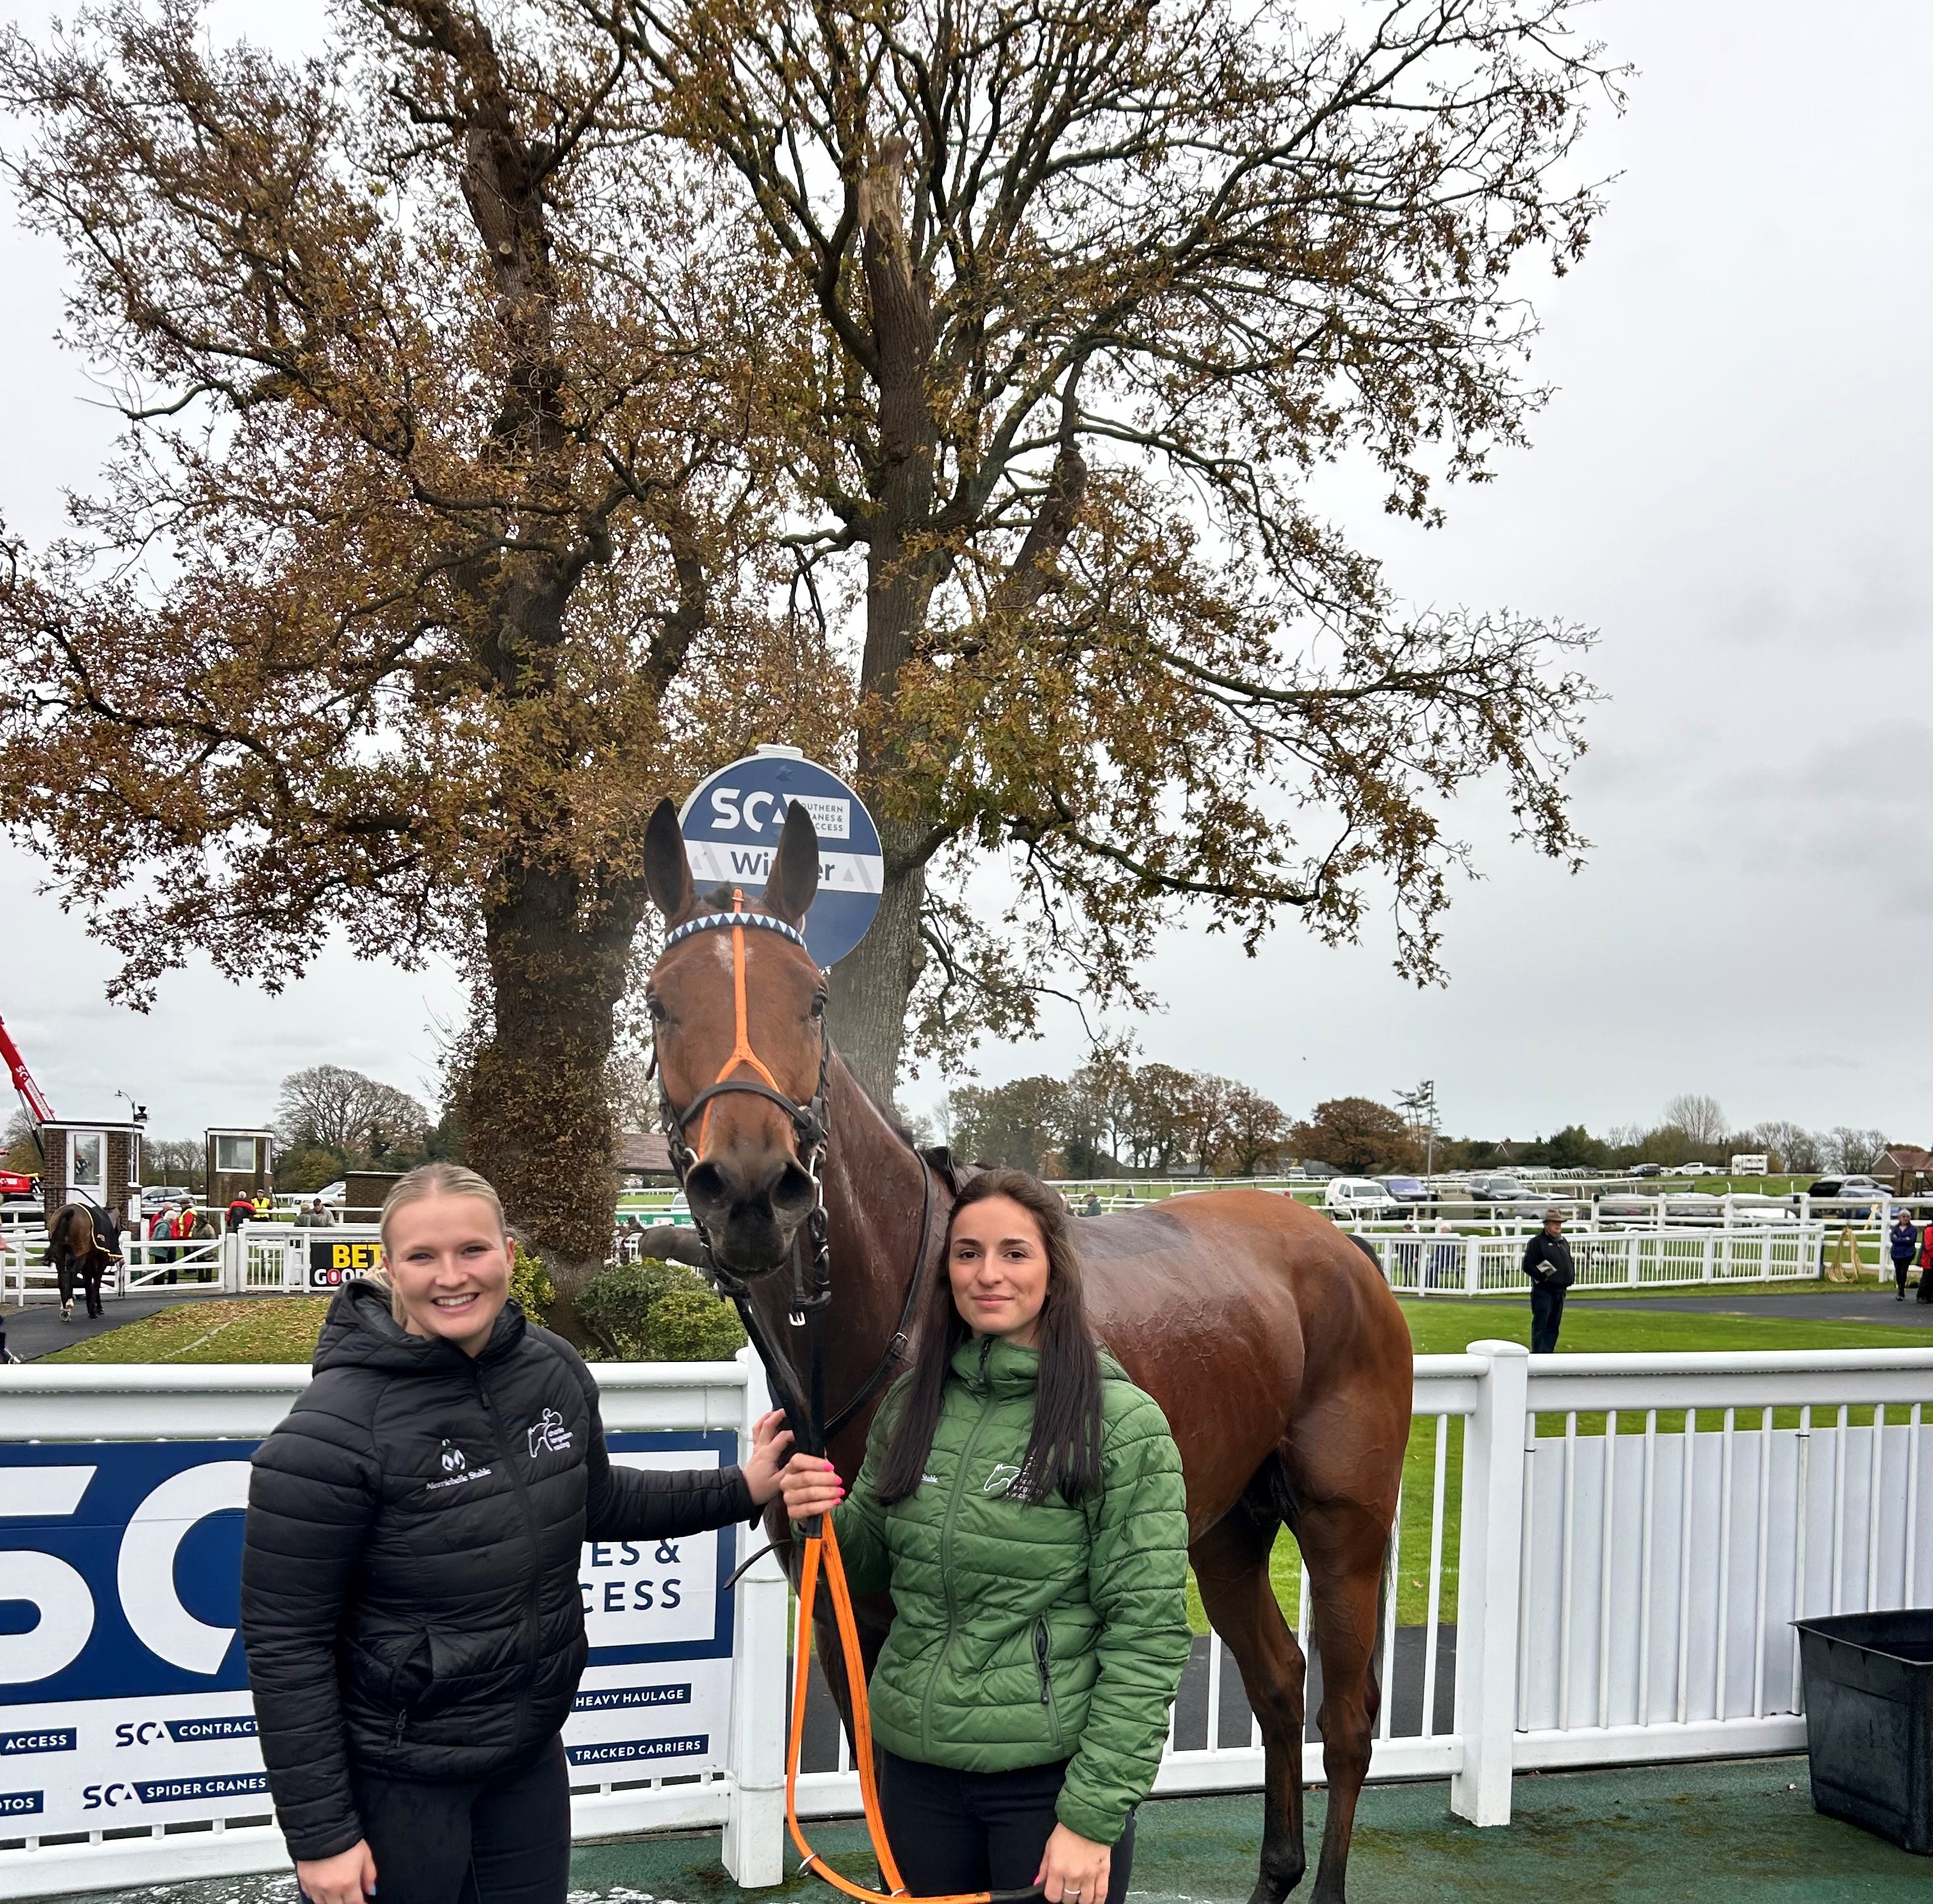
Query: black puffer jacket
[(409, 1575)]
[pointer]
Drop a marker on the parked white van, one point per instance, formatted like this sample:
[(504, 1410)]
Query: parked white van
[(1360, 1196)]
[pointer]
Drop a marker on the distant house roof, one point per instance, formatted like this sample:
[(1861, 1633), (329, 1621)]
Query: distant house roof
[(1906, 1157), (643, 1153)]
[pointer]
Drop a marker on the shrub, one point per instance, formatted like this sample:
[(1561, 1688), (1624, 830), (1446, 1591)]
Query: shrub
[(620, 1307), (693, 1325), (530, 1283)]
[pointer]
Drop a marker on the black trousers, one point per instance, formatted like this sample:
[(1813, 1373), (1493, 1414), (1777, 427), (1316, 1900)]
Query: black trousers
[(964, 1831), (1901, 1265), (504, 1840), (1546, 1313)]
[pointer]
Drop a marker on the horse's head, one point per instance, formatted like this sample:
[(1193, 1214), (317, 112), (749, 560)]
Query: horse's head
[(738, 1017)]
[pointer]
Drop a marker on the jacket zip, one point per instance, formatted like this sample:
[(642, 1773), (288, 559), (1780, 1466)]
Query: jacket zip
[(522, 1487), (1041, 1644), (946, 1554)]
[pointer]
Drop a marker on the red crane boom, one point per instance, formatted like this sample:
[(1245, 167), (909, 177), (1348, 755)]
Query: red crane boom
[(32, 1095)]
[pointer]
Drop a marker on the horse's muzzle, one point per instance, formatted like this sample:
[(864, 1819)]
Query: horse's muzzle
[(751, 1216)]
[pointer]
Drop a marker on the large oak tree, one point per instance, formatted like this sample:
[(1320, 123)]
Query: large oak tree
[(434, 552), (1086, 294)]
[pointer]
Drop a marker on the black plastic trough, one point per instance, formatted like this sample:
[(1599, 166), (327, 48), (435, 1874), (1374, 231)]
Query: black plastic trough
[(1869, 1720)]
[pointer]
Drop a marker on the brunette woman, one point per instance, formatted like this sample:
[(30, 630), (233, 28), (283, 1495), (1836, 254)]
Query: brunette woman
[(1022, 1500)]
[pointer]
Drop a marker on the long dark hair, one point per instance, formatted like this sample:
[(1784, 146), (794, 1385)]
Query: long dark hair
[(1064, 1450)]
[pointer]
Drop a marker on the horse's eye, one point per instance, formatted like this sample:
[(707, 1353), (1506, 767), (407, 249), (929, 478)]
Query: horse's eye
[(819, 1006), (656, 1008)]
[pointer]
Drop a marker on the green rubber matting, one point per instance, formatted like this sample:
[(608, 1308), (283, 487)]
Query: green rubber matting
[(1655, 1834)]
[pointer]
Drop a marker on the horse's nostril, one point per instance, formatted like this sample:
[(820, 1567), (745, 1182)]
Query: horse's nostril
[(792, 1194), (705, 1185)]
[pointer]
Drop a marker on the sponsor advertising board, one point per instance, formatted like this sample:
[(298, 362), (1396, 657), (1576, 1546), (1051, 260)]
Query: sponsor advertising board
[(124, 1696)]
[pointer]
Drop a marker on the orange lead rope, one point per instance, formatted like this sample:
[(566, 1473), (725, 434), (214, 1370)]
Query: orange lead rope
[(862, 1733)]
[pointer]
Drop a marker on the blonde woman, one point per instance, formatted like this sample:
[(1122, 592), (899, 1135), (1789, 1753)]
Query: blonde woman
[(410, 1600)]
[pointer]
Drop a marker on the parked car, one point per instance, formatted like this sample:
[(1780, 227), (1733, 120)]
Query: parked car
[(1846, 1186), (1503, 1189), (1626, 1208), (331, 1195), (160, 1196), (1406, 1189), (1693, 1170), (1754, 1209), (1694, 1203), (1645, 1170), (1357, 1196), (1310, 1167)]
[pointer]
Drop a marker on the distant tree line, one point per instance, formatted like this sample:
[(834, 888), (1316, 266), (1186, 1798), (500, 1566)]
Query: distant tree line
[(1112, 1117), (1115, 1118)]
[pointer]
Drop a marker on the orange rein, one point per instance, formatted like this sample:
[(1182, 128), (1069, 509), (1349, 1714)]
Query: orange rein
[(862, 1732)]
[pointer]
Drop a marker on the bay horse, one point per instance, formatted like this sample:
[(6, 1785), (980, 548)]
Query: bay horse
[(1273, 1345)]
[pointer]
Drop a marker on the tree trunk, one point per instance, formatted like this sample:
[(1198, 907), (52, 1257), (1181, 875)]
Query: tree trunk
[(536, 1099), (871, 985)]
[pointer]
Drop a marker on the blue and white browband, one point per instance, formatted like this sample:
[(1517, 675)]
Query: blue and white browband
[(756, 921)]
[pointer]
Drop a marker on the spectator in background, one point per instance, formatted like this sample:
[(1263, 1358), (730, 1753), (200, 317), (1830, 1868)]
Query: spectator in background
[(1925, 1265), (1546, 1262), (1092, 1206), (240, 1209), (1905, 1241), (313, 1216)]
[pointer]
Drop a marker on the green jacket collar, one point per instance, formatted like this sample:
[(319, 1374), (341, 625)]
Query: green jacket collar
[(991, 1364)]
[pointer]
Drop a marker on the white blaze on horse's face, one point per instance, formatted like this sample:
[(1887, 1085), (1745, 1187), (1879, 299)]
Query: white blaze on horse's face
[(997, 1260)]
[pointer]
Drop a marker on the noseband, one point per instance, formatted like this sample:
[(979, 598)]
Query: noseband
[(812, 1126)]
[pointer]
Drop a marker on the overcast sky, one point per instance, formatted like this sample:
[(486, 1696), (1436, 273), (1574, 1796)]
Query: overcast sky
[(1730, 485)]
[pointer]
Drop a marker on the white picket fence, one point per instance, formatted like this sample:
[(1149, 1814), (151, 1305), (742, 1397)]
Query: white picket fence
[(1616, 1589), (257, 1259), (1449, 1263)]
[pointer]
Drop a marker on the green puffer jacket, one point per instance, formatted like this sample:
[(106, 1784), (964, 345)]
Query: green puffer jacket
[(1028, 1632)]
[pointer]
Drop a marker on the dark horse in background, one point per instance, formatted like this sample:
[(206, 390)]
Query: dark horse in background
[(1277, 1353)]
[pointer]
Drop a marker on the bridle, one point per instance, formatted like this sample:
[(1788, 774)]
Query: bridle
[(812, 1133)]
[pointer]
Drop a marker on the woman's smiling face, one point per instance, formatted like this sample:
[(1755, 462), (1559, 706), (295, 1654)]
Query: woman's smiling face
[(449, 1264), (997, 1260)]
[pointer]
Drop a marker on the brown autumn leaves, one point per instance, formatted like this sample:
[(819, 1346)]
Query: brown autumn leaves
[(530, 407)]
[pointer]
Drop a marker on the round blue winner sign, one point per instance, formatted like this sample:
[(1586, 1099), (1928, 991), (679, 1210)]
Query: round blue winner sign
[(731, 823)]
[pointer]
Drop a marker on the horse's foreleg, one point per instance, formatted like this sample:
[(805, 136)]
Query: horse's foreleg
[(1230, 1563), (1343, 1546)]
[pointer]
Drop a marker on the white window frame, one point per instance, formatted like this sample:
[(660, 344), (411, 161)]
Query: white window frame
[(76, 1140)]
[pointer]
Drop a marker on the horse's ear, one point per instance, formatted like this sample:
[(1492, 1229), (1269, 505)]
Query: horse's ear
[(794, 883), (667, 871)]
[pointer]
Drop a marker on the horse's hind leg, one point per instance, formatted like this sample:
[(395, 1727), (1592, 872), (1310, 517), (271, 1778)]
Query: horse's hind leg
[(1344, 1544), (1231, 1567)]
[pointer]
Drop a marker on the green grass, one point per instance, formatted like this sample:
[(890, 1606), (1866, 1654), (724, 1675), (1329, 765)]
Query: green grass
[(258, 1329), (1446, 1326)]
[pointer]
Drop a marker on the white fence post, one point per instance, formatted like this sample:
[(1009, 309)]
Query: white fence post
[(1489, 1584), (753, 1849), (1473, 1265)]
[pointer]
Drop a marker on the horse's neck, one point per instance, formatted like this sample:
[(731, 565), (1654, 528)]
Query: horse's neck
[(875, 1197)]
